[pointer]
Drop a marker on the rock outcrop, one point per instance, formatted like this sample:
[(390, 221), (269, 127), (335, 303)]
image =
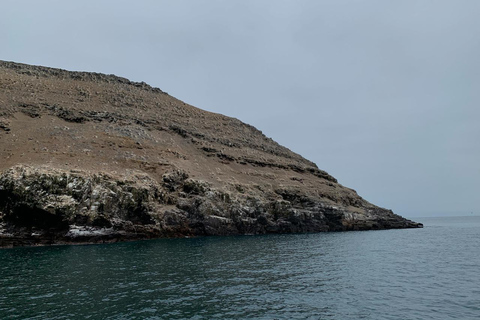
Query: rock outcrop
[(96, 158)]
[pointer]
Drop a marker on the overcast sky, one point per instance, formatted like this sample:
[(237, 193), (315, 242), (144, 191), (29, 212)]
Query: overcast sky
[(383, 95)]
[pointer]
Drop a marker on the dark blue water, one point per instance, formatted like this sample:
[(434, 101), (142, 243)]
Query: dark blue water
[(430, 273)]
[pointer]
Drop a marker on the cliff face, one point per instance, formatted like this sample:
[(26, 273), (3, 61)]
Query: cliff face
[(88, 157)]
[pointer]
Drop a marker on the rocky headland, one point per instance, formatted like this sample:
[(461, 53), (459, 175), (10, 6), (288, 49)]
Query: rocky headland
[(88, 157)]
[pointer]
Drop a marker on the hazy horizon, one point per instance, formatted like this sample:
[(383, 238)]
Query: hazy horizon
[(382, 95)]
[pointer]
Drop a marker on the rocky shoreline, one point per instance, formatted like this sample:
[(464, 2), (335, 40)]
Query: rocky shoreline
[(91, 158), (41, 206)]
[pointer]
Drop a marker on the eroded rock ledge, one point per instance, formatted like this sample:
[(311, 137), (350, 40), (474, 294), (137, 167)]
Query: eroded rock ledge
[(41, 205)]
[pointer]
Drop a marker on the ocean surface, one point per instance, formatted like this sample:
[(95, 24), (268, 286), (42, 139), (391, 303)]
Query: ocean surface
[(430, 273)]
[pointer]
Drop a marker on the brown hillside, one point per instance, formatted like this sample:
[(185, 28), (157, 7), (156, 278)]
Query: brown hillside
[(200, 173)]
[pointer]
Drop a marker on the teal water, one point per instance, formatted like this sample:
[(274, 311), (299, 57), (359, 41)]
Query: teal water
[(430, 273)]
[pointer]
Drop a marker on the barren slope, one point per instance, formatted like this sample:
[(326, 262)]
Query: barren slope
[(92, 157)]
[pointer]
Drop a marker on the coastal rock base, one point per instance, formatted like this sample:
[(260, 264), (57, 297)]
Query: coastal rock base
[(41, 205)]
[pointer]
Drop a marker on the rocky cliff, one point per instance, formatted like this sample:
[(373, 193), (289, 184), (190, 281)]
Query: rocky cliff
[(87, 157)]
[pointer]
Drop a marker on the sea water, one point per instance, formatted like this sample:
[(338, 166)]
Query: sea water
[(429, 273)]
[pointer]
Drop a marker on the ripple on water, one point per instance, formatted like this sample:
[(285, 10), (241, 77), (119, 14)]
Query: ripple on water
[(428, 273)]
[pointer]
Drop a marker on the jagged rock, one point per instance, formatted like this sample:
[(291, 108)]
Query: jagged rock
[(96, 158)]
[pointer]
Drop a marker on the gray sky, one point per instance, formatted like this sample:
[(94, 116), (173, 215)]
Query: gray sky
[(384, 95)]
